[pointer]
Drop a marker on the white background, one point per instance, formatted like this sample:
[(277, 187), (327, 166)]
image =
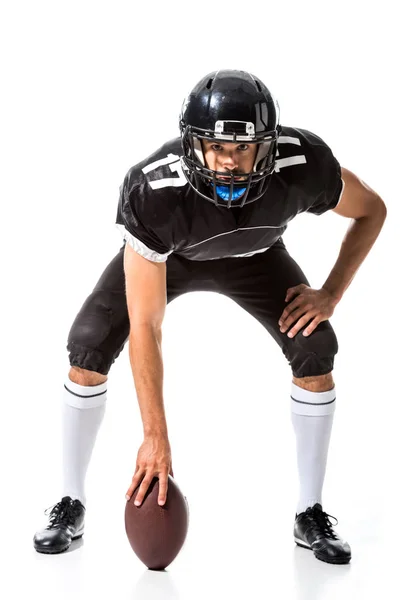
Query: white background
[(89, 89)]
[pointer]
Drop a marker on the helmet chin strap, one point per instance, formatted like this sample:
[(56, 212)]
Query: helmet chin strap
[(223, 192)]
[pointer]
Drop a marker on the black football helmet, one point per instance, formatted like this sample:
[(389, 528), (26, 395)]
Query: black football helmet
[(229, 106)]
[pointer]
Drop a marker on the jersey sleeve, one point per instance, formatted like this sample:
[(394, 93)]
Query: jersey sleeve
[(134, 223), (332, 184)]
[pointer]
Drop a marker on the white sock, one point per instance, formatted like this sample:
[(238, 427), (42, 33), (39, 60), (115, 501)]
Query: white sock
[(312, 418), (83, 412)]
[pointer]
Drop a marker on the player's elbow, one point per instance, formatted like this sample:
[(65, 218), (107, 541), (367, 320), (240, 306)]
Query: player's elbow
[(146, 320), (376, 210), (145, 333), (373, 209), (380, 208)]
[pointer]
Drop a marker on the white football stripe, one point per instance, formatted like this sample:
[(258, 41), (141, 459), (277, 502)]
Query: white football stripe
[(233, 231), (290, 161), (249, 253), (286, 139)]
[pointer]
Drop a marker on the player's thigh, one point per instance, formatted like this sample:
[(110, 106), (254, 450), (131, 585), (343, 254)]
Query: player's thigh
[(260, 288), (259, 283), (101, 327)]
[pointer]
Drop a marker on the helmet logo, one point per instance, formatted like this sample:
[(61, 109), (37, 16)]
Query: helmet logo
[(240, 131)]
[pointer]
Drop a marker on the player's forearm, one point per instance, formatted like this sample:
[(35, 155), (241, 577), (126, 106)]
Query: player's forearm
[(356, 244), (147, 368)]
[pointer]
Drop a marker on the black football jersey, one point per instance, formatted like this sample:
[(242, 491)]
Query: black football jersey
[(159, 212)]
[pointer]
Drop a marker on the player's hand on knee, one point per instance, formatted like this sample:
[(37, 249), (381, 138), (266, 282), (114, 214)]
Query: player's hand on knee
[(153, 460), (306, 307)]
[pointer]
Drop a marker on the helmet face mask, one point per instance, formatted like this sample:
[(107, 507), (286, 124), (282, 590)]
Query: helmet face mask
[(234, 107)]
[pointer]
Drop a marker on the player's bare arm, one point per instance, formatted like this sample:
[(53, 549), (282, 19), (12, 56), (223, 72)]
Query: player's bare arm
[(368, 212), (146, 301)]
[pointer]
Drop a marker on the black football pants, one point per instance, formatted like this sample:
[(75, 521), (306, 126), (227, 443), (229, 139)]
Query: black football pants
[(257, 283)]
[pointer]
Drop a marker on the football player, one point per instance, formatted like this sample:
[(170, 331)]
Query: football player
[(206, 212)]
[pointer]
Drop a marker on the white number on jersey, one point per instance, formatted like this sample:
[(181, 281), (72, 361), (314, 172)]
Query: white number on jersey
[(174, 163)]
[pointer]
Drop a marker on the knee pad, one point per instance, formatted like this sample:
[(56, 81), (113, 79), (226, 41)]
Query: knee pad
[(99, 331), (93, 323), (322, 341), (313, 355)]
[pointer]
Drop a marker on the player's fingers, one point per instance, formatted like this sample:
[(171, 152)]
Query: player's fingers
[(293, 291), (293, 317), (300, 324), (289, 309), (136, 479), (313, 325), (144, 486), (290, 293), (163, 488)]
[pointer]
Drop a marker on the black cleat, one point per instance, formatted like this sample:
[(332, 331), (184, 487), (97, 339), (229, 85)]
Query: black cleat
[(313, 530), (66, 523)]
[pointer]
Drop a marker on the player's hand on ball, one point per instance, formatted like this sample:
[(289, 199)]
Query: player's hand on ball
[(153, 460), (307, 306)]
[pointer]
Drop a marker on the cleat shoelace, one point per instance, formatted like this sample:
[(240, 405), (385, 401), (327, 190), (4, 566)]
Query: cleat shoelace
[(322, 520), (62, 513)]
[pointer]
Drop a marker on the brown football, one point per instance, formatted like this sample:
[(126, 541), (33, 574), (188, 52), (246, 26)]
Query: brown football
[(157, 533)]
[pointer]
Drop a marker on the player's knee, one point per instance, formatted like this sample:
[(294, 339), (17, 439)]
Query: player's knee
[(313, 355), (85, 377), (93, 322), (87, 339), (322, 342)]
